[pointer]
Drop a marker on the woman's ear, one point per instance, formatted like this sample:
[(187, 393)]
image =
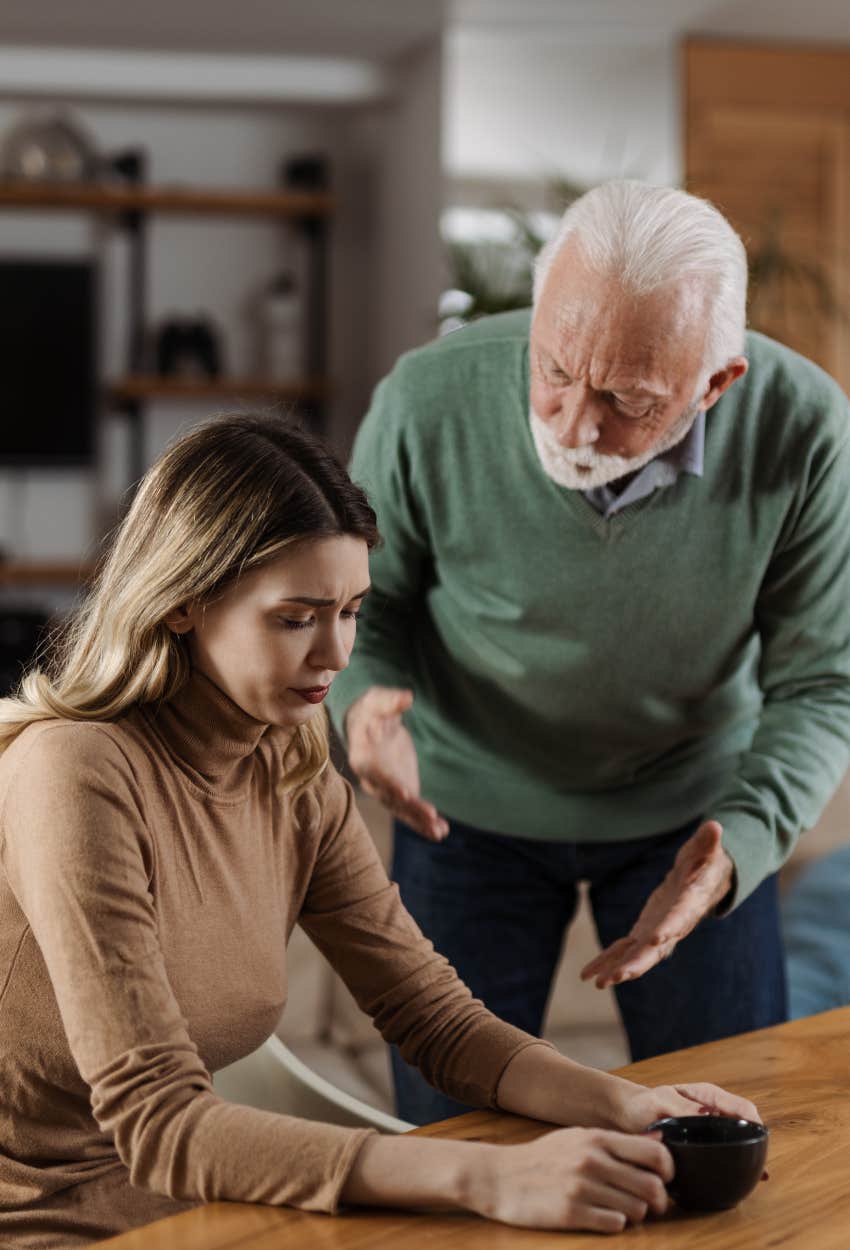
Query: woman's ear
[(181, 620)]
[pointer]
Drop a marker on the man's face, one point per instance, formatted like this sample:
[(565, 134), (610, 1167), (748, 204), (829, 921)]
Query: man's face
[(614, 376)]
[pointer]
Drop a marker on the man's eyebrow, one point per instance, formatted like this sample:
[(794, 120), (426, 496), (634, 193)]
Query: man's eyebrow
[(550, 358), (658, 392), (319, 603)]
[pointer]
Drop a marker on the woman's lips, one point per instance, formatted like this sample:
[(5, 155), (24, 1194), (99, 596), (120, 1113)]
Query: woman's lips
[(313, 694)]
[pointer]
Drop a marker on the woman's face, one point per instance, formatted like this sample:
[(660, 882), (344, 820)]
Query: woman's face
[(275, 639)]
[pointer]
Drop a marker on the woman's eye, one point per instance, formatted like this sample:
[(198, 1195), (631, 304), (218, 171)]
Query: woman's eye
[(289, 623), (350, 614)]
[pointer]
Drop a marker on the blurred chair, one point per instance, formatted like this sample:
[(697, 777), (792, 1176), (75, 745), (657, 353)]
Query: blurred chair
[(816, 932), (273, 1079)]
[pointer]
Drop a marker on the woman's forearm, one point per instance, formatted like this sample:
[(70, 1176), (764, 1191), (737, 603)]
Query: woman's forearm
[(570, 1178), (414, 1172), (540, 1083)]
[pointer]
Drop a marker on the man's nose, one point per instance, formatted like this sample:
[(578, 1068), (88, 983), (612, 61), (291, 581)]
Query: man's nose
[(578, 422)]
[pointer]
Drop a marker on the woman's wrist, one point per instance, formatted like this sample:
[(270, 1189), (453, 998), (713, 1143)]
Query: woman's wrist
[(624, 1095), (412, 1171), (542, 1084)]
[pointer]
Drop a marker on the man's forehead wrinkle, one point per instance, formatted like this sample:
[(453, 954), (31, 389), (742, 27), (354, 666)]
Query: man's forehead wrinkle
[(605, 365), (565, 318), (615, 343)]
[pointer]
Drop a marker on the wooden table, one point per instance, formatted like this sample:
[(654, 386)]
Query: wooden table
[(799, 1076)]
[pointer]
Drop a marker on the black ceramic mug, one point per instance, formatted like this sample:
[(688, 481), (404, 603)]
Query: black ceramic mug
[(718, 1159)]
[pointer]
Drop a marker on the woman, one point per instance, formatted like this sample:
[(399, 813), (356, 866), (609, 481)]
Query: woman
[(167, 814)]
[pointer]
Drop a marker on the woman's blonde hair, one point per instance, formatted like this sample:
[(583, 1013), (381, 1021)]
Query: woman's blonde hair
[(229, 495)]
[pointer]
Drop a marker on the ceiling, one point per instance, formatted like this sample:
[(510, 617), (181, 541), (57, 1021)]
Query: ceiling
[(371, 29), (641, 20), (381, 30)]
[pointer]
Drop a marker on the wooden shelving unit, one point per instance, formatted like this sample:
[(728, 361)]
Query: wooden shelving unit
[(143, 388), (54, 573), (129, 204), (108, 198)]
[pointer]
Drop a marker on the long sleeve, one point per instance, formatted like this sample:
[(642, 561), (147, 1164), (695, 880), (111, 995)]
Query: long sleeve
[(416, 999), (801, 747), (83, 866), (381, 464)]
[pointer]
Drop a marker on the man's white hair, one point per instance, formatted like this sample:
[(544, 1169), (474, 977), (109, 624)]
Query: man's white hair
[(649, 237)]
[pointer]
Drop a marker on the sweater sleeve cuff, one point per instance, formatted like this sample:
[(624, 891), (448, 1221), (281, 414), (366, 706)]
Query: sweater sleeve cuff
[(345, 1164), (532, 1041), (750, 846)]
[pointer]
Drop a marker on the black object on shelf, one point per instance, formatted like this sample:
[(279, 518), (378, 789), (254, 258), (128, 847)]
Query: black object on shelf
[(130, 165), (307, 172), (188, 348), (22, 631)]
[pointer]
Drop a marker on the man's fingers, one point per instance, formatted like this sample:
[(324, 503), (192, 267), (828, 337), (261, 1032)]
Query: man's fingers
[(385, 787), (611, 953), (611, 967), (432, 827), (388, 700), (630, 969), (421, 815)]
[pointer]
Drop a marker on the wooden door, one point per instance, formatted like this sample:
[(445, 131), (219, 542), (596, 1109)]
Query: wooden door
[(767, 139)]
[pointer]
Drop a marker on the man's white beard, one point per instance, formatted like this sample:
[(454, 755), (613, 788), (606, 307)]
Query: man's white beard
[(584, 468)]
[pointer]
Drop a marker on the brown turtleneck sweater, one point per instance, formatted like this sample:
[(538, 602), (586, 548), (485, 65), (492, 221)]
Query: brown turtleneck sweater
[(150, 876)]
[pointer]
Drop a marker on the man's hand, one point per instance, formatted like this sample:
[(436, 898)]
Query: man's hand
[(382, 754), (699, 879)]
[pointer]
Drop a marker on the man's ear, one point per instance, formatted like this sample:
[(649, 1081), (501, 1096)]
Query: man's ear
[(722, 380), (181, 620)]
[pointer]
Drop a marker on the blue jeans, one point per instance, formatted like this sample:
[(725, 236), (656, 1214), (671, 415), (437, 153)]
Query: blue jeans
[(498, 908)]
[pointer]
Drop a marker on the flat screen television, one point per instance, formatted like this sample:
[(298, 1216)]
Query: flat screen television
[(48, 367)]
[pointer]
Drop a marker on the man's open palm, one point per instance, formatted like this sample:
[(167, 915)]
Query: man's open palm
[(382, 753), (699, 879)]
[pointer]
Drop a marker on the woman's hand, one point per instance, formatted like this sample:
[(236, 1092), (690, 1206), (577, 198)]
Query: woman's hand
[(574, 1178), (645, 1106)]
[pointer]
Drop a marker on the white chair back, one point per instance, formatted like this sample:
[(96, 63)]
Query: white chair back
[(273, 1079)]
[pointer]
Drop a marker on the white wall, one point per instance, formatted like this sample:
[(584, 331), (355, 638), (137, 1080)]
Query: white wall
[(530, 105), (408, 200)]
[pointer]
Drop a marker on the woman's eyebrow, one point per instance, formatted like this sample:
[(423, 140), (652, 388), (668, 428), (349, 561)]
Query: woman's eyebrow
[(319, 603)]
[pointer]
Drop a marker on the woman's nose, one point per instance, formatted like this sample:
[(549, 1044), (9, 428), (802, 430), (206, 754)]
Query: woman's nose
[(330, 651)]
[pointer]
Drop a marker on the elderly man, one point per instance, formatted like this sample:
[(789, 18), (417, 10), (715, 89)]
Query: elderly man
[(610, 629)]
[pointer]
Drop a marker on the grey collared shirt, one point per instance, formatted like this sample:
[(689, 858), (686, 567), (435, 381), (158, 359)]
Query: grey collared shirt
[(685, 457)]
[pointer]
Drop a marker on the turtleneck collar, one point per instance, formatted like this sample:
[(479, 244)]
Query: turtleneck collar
[(205, 729)]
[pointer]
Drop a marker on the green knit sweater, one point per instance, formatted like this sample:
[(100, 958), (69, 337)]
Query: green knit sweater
[(586, 679)]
